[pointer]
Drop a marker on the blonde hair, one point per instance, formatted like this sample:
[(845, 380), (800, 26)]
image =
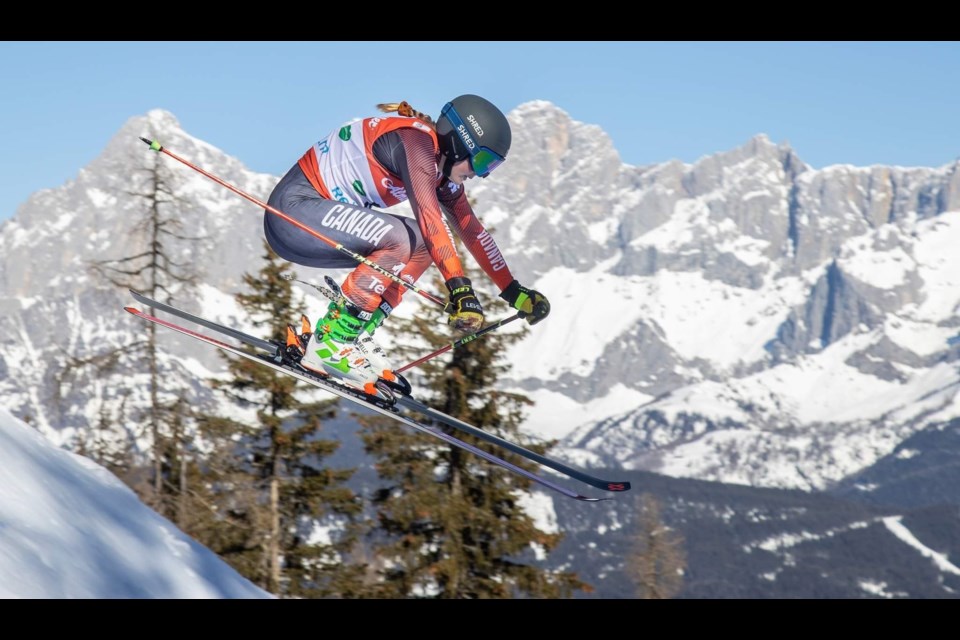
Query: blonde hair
[(404, 109)]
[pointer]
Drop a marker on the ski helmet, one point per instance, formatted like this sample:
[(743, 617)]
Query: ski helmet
[(471, 127)]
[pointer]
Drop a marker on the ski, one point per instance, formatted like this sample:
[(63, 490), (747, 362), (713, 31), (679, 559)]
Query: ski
[(376, 403), (265, 345), (404, 400), (439, 416)]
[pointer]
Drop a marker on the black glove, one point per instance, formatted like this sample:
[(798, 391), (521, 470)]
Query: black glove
[(532, 303), (466, 314)]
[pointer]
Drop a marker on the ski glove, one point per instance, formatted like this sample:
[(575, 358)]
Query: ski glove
[(532, 303), (466, 313)]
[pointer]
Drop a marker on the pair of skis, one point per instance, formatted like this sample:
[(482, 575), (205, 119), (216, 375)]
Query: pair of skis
[(271, 355)]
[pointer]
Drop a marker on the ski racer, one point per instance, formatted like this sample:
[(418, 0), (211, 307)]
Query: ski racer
[(379, 162)]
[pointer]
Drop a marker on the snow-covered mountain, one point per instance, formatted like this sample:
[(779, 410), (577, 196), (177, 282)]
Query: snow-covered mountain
[(772, 324), (70, 529), (744, 318)]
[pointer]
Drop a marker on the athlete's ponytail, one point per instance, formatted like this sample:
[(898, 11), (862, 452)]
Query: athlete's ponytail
[(404, 109)]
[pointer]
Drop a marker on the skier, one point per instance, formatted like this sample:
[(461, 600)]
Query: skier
[(378, 162)]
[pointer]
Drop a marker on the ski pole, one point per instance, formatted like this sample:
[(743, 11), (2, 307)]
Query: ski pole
[(156, 146), (462, 341)]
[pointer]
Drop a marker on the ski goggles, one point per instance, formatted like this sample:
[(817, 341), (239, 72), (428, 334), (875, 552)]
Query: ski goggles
[(483, 160)]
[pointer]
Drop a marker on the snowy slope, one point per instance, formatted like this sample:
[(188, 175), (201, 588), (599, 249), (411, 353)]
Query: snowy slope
[(70, 529)]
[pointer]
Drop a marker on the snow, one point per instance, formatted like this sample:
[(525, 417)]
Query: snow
[(906, 454), (780, 542), (555, 415), (699, 458), (875, 588), (16, 235), (748, 250), (866, 415), (708, 398), (27, 302), (539, 506), (940, 560), (823, 388), (601, 232), (689, 215), (700, 318), (942, 406), (939, 266), (100, 198), (707, 319), (62, 222), (70, 529), (524, 219), (881, 269), (228, 312), (596, 308), (922, 338)]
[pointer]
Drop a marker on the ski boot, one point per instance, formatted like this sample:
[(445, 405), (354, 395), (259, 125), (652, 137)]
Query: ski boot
[(341, 347)]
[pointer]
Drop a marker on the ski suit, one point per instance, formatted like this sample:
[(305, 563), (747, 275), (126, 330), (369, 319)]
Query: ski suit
[(378, 162)]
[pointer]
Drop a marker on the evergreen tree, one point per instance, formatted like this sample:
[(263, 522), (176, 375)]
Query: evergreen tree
[(450, 524), (269, 496), (657, 559)]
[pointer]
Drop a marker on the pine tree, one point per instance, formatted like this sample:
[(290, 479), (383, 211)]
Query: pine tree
[(453, 524), (657, 559), (267, 489)]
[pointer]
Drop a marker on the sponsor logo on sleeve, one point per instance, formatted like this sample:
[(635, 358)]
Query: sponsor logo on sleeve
[(345, 133)]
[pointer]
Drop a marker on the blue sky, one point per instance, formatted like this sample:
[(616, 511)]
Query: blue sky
[(858, 103)]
